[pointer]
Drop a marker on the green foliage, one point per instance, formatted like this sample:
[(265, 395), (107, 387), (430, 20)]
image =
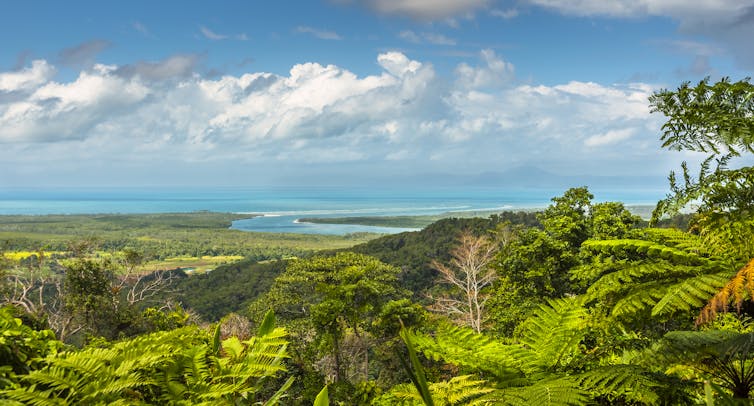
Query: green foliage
[(546, 365), (176, 367), (665, 273), (713, 118), (716, 119), (415, 370), (459, 390), (322, 398), (164, 235), (228, 288), (566, 219), (21, 347), (612, 220), (414, 252), (88, 293), (532, 268), (549, 342), (535, 265), (724, 356), (344, 310)]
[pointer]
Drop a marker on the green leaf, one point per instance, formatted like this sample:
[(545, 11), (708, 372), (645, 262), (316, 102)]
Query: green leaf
[(268, 324), (417, 373), (322, 398)]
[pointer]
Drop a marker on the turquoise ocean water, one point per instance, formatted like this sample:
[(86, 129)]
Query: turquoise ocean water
[(280, 207)]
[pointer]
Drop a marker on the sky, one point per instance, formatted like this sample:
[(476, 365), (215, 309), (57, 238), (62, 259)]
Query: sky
[(344, 92)]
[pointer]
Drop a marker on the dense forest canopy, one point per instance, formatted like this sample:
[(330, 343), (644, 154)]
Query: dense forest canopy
[(581, 303)]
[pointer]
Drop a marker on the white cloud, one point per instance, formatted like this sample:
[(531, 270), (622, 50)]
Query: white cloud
[(397, 63), (209, 34), (494, 72), (39, 72), (729, 23), (610, 137), (158, 115), (60, 111), (427, 9), (680, 9), (426, 37), (321, 34)]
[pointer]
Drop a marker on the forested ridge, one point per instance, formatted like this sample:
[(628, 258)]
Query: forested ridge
[(581, 303)]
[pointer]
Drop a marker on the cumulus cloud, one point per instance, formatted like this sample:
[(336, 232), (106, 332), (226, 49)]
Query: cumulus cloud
[(143, 114), (38, 73), (493, 72), (321, 34), (60, 111)]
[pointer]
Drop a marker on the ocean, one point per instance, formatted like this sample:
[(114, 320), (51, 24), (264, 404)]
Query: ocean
[(279, 207)]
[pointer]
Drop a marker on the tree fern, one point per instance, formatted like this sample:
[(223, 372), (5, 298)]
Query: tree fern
[(553, 392), (175, 367), (737, 290), (550, 338), (667, 273), (550, 361), (459, 390), (463, 347), (725, 356)]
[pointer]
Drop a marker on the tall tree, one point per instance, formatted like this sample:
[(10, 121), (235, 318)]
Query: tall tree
[(716, 119), (468, 274), (337, 302)]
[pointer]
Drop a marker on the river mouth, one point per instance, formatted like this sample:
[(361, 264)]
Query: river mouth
[(290, 224)]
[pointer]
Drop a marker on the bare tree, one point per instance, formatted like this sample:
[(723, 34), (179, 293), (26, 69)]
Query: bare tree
[(39, 291), (469, 273), (141, 285)]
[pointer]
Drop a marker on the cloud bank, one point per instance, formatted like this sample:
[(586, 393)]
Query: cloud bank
[(147, 116)]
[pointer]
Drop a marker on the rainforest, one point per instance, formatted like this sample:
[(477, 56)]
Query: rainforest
[(580, 303)]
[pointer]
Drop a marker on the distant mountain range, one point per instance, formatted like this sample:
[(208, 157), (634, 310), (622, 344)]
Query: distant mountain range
[(535, 177)]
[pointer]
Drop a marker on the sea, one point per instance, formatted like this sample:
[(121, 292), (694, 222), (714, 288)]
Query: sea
[(278, 209)]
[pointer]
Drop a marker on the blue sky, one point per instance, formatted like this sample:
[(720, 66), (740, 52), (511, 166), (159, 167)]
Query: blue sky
[(144, 93)]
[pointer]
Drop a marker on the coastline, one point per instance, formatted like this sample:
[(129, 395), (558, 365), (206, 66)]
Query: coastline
[(420, 221)]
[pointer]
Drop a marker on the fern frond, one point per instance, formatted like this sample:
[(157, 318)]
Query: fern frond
[(690, 293), (631, 382), (463, 347), (623, 279), (640, 297), (460, 390), (550, 337), (637, 249), (555, 392), (737, 290)]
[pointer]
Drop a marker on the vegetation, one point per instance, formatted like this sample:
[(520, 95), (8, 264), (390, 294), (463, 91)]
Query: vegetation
[(407, 221), (581, 303), (163, 237)]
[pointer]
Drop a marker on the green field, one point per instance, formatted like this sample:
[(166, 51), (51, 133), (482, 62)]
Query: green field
[(170, 239)]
